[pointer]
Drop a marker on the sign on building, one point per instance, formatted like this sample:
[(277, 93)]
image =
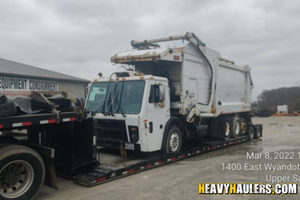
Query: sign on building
[(10, 83)]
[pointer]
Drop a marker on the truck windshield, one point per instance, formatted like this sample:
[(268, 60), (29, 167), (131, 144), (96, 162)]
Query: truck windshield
[(121, 97)]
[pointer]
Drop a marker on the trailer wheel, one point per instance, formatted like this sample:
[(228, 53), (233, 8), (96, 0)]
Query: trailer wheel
[(251, 133), (236, 127), (224, 128), (243, 126), (174, 140), (22, 172), (257, 133)]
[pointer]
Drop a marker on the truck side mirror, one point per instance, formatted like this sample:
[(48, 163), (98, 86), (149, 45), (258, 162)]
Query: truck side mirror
[(157, 94)]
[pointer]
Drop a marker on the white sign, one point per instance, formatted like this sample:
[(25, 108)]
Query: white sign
[(129, 146), (9, 83)]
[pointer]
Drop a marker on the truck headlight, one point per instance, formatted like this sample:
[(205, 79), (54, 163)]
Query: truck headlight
[(133, 133)]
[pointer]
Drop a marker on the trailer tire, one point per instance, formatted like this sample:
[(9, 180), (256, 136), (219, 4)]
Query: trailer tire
[(224, 128), (22, 172), (257, 133), (236, 127), (251, 133), (174, 140)]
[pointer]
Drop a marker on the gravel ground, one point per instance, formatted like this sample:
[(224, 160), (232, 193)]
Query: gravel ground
[(279, 147)]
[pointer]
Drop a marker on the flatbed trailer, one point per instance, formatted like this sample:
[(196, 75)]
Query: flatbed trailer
[(50, 144), (109, 170)]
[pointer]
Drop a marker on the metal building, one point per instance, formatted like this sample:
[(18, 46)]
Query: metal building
[(17, 76)]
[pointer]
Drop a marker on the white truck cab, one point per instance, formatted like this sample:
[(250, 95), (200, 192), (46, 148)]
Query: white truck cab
[(132, 110)]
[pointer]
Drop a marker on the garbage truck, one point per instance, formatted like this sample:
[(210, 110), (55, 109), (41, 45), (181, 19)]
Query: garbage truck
[(170, 95)]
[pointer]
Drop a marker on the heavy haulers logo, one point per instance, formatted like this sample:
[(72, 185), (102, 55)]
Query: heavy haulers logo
[(248, 188)]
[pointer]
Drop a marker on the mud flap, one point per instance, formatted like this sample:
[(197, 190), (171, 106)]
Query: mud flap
[(50, 179), (48, 156)]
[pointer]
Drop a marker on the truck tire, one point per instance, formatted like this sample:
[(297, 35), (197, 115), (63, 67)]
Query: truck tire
[(243, 127), (224, 128), (174, 140), (22, 172), (257, 133), (236, 127), (251, 133)]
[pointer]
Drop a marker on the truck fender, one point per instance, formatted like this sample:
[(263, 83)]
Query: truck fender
[(172, 121)]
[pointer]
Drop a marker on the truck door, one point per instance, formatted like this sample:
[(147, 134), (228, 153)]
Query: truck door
[(158, 113)]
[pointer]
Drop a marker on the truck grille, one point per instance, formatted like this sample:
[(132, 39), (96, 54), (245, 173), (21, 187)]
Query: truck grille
[(111, 130)]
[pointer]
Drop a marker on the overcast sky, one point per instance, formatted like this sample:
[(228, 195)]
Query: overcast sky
[(79, 37)]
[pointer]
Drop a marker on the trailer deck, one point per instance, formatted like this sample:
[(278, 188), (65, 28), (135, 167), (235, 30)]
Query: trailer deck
[(115, 167)]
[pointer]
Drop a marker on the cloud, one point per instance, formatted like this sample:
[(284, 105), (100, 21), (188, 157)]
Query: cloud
[(79, 37)]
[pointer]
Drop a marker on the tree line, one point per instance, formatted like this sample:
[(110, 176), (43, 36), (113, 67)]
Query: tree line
[(270, 99)]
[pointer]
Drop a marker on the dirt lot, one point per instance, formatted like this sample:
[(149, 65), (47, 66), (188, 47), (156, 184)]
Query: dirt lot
[(280, 145)]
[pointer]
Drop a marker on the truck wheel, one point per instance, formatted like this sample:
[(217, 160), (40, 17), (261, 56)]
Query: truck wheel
[(257, 133), (174, 140), (224, 128), (236, 127), (251, 133), (22, 172)]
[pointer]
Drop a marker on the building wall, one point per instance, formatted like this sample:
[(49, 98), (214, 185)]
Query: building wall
[(77, 89)]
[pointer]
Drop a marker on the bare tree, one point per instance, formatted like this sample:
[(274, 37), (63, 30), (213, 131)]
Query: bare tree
[(270, 99)]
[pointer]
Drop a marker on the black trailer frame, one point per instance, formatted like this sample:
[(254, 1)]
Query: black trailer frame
[(103, 173), (65, 141)]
